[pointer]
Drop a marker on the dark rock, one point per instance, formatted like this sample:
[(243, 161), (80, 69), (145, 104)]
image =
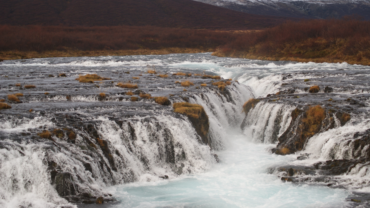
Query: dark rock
[(164, 177), (64, 184), (328, 89)]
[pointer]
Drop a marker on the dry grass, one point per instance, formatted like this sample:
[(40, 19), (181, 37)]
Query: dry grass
[(250, 104), (46, 93), (18, 84), (163, 75), (145, 96), (62, 75), (334, 40), (90, 78), (228, 82), (205, 76), (4, 106), (180, 74), (135, 77), (177, 82), (203, 85), (162, 100), (151, 71), (2, 100), (314, 116), (31, 110), (29, 86), (221, 85), (187, 83), (102, 95), (129, 93), (45, 134), (184, 90), (314, 89), (18, 94), (345, 117), (133, 98), (126, 85), (13, 98), (192, 110)]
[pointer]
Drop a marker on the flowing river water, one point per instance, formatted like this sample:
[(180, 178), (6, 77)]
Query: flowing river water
[(243, 176)]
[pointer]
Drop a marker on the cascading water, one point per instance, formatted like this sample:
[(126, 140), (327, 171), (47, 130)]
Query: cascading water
[(137, 144)]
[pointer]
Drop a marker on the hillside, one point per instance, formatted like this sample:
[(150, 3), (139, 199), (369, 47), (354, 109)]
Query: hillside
[(314, 40), (161, 13), (317, 9)]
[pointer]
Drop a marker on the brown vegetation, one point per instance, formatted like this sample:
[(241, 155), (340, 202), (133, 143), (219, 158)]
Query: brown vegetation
[(29, 86), (221, 85), (187, 83), (4, 106), (102, 96), (129, 93), (250, 104), (312, 122), (133, 98), (311, 40), (163, 75), (145, 96), (180, 74), (126, 85), (13, 98), (18, 84), (192, 110), (206, 76), (62, 75), (18, 94), (150, 71), (45, 134), (2, 100), (162, 100), (90, 78), (203, 85), (135, 77), (314, 89)]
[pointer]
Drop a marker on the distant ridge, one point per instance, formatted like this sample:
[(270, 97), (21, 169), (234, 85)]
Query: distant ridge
[(162, 13)]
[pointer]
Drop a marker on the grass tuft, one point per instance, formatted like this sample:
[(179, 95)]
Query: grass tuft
[(192, 110), (133, 98), (90, 78), (250, 104), (135, 77), (162, 100), (45, 134), (314, 89), (4, 106), (187, 83), (150, 71), (163, 75), (203, 85), (180, 74), (126, 85), (129, 93), (145, 96), (102, 95), (13, 98)]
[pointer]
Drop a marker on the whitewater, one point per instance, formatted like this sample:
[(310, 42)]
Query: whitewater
[(242, 175)]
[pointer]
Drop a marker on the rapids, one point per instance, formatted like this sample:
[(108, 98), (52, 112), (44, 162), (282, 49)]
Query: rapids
[(245, 175)]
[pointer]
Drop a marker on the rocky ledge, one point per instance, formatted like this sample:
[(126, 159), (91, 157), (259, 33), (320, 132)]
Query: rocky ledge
[(67, 117)]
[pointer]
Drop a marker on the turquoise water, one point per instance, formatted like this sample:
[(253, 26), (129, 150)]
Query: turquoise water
[(240, 180)]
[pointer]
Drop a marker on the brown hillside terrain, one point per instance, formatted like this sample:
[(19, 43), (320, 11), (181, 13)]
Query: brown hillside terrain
[(56, 41), (312, 40), (161, 13)]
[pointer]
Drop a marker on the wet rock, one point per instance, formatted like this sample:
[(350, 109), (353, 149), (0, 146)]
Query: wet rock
[(328, 89), (64, 184), (164, 177)]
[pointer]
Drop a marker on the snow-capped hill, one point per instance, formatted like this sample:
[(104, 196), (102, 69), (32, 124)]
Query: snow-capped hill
[(298, 8)]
